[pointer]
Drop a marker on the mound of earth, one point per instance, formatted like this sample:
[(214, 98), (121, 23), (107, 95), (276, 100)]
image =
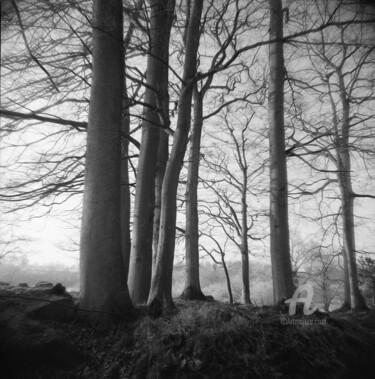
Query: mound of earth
[(199, 340)]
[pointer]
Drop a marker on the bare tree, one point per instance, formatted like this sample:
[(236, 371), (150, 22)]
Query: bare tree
[(160, 293), (342, 86), (192, 288), (221, 25), (155, 114), (219, 249), (51, 167), (279, 225), (234, 174), (103, 287)]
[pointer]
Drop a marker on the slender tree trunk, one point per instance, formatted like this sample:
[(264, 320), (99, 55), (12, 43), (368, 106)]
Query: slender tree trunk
[(222, 256), (244, 243), (325, 294), (192, 288), (357, 301), (125, 193), (161, 286), (141, 253), (125, 185), (229, 287), (103, 286), (279, 228)]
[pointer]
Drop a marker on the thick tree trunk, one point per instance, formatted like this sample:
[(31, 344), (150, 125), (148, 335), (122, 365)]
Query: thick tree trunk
[(192, 288), (279, 228), (141, 253), (103, 287), (161, 286)]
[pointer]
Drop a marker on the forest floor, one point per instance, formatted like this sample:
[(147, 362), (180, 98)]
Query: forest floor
[(217, 340)]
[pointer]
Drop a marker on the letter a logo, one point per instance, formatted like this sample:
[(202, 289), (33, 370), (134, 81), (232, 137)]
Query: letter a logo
[(306, 300)]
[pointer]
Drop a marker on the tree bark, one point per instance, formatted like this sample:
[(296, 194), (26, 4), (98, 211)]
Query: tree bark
[(346, 305), (125, 192), (192, 288), (279, 229), (163, 152), (244, 243), (103, 289), (161, 286), (125, 185), (229, 287), (162, 158), (141, 253), (357, 301)]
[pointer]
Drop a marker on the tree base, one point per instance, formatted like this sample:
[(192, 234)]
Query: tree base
[(115, 308), (247, 302), (159, 307), (191, 293)]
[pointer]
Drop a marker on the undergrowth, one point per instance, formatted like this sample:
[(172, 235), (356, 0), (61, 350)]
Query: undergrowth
[(216, 340)]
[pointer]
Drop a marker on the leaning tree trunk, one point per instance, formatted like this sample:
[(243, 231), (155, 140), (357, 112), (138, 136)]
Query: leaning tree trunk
[(163, 151), (192, 288), (103, 287), (162, 158), (161, 285), (141, 253), (279, 229)]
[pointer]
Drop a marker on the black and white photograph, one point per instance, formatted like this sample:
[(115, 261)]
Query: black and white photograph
[(187, 189)]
